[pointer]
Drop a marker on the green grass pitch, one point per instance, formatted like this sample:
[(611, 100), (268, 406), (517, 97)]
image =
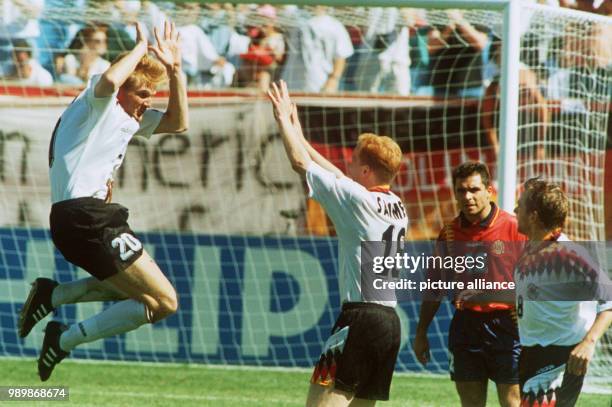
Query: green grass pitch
[(134, 384)]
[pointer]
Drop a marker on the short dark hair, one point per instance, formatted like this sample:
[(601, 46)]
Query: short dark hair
[(548, 200), (21, 45), (470, 168), (85, 33)]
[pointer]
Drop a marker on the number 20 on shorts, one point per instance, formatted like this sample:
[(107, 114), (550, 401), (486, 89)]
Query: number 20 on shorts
[(128, 245)]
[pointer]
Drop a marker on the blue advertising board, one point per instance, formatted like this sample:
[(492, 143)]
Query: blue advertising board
[(266, 301)]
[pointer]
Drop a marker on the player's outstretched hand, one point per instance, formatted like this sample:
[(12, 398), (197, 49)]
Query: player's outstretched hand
[(167, 49), (281, 102), (580, 357)]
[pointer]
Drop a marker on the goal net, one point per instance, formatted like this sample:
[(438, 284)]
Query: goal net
[(253, 260)]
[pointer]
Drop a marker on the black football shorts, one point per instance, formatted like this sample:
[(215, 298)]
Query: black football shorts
[(360, 354), (94, 235)]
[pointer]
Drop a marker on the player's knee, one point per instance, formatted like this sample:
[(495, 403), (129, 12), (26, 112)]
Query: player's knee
[(167, 305), (170, 303), (510, 397), (472, 395), (472, 399)]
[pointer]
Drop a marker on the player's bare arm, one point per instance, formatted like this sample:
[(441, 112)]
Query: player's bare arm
[(583, 352), (167, 50), (477, 39), (314, 154), (119, 72), (420, 346), (282, 106), (331, 85)]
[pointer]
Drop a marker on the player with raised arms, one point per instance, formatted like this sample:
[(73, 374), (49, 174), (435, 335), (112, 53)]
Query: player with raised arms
[(358, 359), (88, 145)]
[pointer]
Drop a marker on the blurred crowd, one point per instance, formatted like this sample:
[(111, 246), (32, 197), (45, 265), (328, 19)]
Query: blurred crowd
[(315, 49)]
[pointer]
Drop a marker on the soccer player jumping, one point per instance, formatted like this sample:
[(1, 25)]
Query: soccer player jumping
[(88, 145), (357, 362)]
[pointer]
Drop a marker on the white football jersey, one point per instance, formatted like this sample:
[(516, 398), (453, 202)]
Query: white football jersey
[(89, 144), (358, 215), (547, 322)]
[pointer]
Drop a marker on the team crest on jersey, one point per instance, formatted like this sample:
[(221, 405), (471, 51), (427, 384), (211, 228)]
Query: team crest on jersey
[(497, 247)]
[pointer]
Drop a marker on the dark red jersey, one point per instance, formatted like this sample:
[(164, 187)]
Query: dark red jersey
[(503, 248)]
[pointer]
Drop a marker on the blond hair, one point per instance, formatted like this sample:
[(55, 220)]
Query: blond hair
[(381, 153), (149, 72)]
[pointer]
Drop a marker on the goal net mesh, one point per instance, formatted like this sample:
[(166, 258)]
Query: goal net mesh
[(218, 207)]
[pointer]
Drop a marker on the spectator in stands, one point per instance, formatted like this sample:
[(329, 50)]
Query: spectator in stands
[(146, 12), (384, 67), (533, 109), (217, 25), (456, 57), (18, 20), (318, 57), (380, 32), (273, 38), (118, 38), (257, 64), (26, 70), (583, 63), (579, 79), (394, 67), (419, 54), (85, 57), (226, 27), (393, 57), (356, 32), (534, 40), (201, 62), (56, 34), (267, 50), (151, 16)]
